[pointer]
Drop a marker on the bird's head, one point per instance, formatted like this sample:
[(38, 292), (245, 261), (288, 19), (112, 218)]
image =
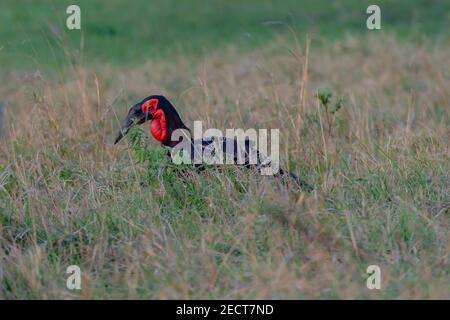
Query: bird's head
[(157, 109)]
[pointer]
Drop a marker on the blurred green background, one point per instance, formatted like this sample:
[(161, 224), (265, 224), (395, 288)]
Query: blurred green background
[(33, 33)]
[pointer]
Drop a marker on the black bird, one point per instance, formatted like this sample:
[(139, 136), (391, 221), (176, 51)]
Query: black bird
[(165, 120)]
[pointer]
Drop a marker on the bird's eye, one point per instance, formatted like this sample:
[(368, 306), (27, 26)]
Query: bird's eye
[(150, 105)]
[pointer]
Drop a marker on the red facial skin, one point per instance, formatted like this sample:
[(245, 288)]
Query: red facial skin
[(158, 127)]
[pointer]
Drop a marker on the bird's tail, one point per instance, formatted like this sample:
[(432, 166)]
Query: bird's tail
[(302, 184)]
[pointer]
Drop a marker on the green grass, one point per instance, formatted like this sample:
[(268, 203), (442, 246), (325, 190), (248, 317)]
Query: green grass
[(33, 34), (159, 235)]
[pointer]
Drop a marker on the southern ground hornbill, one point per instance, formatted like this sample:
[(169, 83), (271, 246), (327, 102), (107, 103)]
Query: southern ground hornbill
[(165, 120)]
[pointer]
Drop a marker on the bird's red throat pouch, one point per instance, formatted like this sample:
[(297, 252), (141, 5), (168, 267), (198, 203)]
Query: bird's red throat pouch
[(158, 127)]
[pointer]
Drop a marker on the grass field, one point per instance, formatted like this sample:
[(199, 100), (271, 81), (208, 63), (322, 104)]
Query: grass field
[(33, 33), (380, 163)]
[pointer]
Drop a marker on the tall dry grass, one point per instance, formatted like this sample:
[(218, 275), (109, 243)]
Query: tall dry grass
[(380, 165)]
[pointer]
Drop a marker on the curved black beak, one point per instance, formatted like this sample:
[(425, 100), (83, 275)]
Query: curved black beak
[(134, 117)]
